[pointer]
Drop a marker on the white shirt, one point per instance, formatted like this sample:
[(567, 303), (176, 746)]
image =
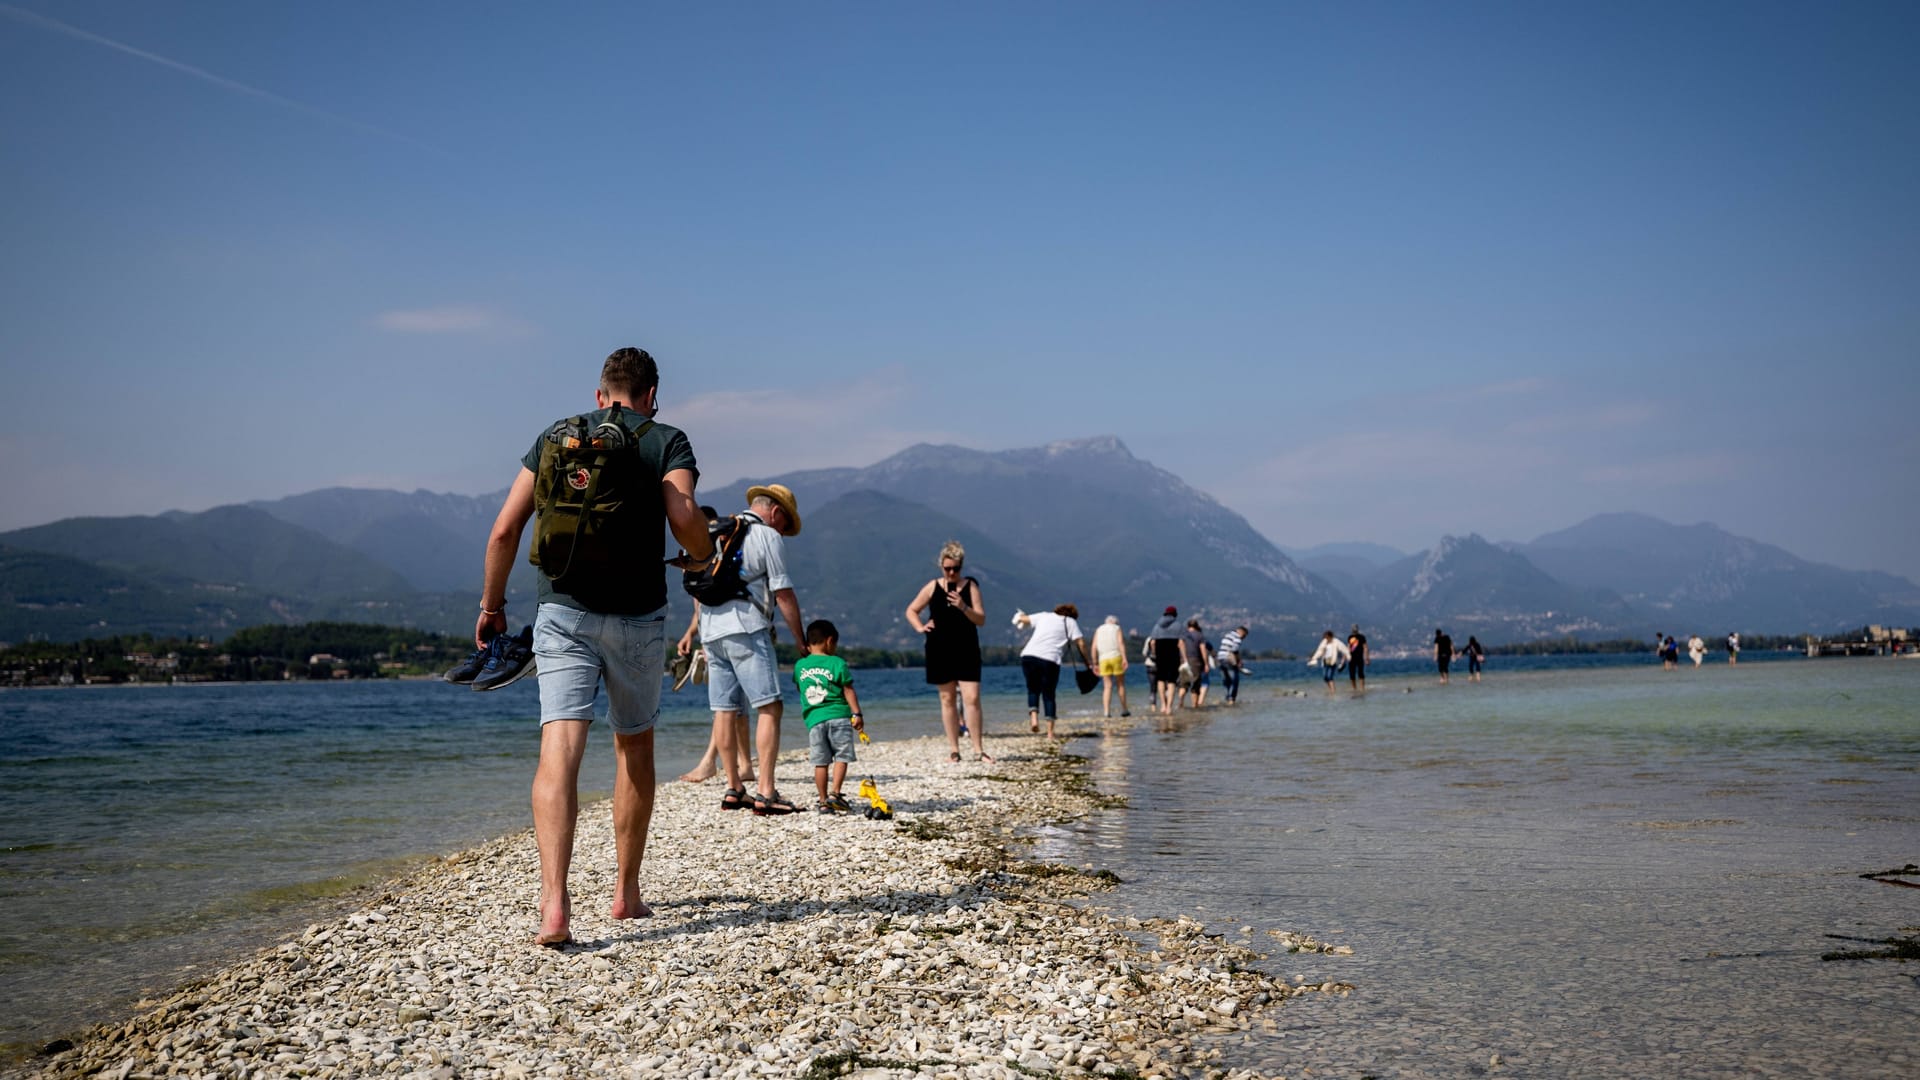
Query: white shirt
[(763, 566), (1331, 651), (1051, 633)]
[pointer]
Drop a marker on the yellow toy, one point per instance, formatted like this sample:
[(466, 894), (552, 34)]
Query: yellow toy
[(872, 794)]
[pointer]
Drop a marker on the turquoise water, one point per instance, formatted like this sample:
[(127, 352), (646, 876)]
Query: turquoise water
[(149, 834), (1605, 872)]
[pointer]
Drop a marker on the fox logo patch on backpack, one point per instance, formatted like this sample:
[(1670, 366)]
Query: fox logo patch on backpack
[(587, 474), (719, 579)]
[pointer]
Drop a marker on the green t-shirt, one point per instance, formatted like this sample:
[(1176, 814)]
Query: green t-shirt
[(823, 682), (665, 449)]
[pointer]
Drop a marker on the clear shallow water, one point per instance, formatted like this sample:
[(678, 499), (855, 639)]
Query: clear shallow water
[(149, 834), (1604, 872)]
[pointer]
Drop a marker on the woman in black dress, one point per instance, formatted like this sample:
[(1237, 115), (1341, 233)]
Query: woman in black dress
[(948, 610)]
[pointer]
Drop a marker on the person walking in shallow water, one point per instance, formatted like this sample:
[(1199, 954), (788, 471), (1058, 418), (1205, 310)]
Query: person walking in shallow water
[(1696, 649), (1442, 653), (1733, 648), (1056, 634), (1110, 662), (1476, 657), (1166, 652), (1331, 655), (949, 611), (1356, 659), (606, 628), (1227, 656)]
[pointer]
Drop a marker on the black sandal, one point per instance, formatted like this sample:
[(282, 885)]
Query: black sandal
[(772, 805), (734, 799)]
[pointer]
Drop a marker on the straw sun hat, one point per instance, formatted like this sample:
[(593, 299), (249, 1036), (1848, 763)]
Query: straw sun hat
[(783, 495)]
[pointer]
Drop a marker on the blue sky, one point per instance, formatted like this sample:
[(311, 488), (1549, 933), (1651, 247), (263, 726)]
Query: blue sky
[(1361, 271)]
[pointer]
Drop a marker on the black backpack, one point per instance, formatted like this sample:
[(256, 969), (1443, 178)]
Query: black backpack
[(718, 580), (581, 540)]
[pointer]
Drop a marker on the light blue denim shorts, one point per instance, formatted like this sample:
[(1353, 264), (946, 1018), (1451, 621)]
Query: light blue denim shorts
[(741, 667), (577, 650), (829, 741)]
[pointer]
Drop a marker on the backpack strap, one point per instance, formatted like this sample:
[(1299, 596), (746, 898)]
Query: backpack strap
[(750, 519)]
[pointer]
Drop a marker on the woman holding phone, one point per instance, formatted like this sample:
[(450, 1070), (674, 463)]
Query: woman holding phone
[(949, 611)]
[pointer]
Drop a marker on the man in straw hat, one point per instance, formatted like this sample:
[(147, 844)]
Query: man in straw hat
[(741, 670)]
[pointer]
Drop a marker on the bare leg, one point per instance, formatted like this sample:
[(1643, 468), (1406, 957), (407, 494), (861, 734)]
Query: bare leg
[(1121, 679), (709, 764), (556, 806), (820, 782), (950, 716), (839, 775), (970, 700), (726, 735), (769, 743), (632, 813), (1033, 721), (742, 750)]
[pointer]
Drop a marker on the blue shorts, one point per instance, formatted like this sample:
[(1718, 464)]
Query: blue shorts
[(741, 667), (576, 650), (829, 741)]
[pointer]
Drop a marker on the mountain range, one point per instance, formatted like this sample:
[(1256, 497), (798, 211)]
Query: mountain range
[(1081, 520)]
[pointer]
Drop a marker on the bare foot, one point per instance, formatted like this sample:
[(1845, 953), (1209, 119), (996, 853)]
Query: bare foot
[(700, 775), (628, 905), (554, 920)]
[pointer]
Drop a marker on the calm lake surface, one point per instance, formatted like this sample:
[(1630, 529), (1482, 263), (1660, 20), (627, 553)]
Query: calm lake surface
[(1604, 872), (1576, 845)]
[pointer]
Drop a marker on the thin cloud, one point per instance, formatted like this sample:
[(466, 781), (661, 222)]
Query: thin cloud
[(69, 30), (1664, 471), (1604, 418), (450, 320)]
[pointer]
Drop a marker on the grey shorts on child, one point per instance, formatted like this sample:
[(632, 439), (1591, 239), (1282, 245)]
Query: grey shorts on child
[(830, 741)]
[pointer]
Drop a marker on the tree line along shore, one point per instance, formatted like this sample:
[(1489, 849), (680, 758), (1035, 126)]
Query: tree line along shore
[(319, 651)]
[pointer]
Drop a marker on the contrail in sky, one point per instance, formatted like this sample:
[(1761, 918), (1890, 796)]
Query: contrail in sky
[(58, 27)]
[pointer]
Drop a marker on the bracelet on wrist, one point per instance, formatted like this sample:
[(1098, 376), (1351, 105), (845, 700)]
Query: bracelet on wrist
[(501, 610)]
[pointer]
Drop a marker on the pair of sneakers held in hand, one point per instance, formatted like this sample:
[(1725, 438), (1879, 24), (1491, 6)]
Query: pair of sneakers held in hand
[(508, 658)]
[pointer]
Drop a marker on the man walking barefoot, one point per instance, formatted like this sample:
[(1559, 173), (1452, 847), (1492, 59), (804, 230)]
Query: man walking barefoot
[(601, 614)]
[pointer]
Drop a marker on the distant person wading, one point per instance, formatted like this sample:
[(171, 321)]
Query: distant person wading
[(1166, 652), (1054, 634)]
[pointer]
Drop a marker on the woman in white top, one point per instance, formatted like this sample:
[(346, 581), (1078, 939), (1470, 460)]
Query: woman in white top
[(1331, 655), (1110, 661), (1053, 632)]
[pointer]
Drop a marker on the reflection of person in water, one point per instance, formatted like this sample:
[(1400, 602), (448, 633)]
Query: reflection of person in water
[(948, 610)]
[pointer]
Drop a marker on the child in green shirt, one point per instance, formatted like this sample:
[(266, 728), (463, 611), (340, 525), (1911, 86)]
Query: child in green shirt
[(832, 713)]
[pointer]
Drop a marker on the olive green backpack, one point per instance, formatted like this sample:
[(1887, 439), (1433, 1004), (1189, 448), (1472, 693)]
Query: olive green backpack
[(586, 475)]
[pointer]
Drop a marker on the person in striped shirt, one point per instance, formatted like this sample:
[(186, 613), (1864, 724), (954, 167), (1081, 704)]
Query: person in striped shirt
[(1227, 658)]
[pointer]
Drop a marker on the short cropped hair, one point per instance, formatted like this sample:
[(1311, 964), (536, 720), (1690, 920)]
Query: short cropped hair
[(1068, 610), (629, 373), (951, 550), (820, 631)]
